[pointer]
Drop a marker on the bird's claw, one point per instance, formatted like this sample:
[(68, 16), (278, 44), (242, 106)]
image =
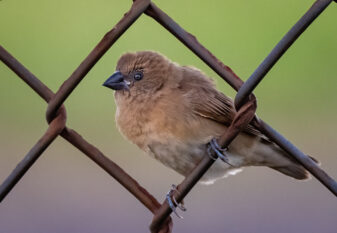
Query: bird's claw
[(172, 202), (215, 151)]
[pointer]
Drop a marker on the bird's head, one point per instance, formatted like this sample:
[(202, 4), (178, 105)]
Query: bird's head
[(139, 73)]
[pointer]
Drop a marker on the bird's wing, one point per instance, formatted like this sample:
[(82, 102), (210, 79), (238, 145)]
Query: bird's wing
[(218, 107), (207, 101)]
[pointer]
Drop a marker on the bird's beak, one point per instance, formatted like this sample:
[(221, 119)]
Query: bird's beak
[(116, 82)]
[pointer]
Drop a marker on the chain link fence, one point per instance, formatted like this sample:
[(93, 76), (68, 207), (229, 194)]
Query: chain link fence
[(245, 103)]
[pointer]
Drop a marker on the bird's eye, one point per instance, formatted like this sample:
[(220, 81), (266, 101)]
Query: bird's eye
[(138, 75)]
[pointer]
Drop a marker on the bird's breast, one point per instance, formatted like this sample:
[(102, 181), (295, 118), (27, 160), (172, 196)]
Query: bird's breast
[(133, 125), (178, 141), (141, 120)]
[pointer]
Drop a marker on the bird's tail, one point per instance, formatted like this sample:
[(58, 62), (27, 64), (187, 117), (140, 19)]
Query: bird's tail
[(279, 160), (294, 170)]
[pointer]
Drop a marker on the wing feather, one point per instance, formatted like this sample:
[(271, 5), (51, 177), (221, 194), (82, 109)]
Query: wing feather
[(208, 102)]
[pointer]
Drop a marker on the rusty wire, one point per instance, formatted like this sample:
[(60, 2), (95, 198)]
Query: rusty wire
[(70, 135), (230, 77), (279, 50), (245, 104), (57, 127)]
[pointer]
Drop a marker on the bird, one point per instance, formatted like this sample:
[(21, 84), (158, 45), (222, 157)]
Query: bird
[(173, 112)]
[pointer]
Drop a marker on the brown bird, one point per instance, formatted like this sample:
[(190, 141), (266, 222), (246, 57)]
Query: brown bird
[(172, 112)]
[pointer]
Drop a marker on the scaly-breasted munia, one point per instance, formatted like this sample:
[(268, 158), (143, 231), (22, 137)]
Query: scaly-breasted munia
[(172, 112)]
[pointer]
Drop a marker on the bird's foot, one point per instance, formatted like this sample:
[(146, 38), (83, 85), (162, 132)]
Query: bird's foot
[(214, 151), (172, 202)]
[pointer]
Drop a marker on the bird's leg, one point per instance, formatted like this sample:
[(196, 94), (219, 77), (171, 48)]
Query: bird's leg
[(215, 151), (172, 202)]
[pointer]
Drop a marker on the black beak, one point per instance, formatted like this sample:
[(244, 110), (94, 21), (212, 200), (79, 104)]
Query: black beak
[(116, 82)]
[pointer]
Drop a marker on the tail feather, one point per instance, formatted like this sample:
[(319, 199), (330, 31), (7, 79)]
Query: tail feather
[(279, 160), (294, 170)]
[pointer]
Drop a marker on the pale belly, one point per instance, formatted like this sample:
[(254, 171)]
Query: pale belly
[(160, 138), (183, 157)]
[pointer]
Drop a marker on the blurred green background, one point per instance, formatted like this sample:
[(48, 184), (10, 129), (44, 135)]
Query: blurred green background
[(65, 192)]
